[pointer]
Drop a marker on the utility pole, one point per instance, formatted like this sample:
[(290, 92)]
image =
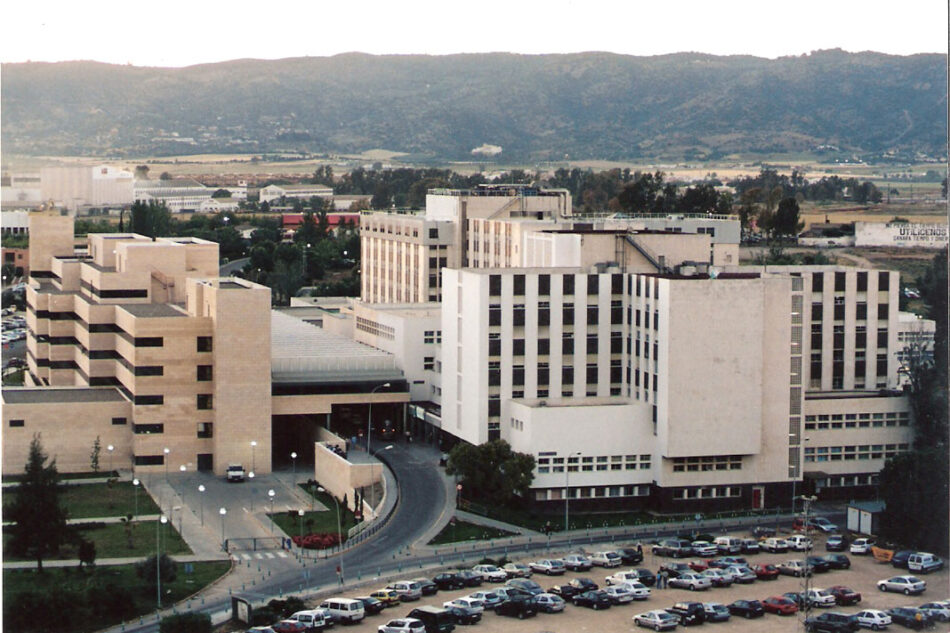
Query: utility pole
[(806, 571)]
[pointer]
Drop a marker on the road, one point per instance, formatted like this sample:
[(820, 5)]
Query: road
[(226, 270)]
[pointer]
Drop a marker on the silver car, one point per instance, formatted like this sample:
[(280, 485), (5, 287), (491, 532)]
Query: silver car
[(903, 584)]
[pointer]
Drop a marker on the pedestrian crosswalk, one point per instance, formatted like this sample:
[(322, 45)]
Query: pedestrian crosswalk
[(262, 555)]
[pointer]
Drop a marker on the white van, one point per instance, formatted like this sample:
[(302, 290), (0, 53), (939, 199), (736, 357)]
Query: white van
[(313, 619), (924, 562), (344, 610), (728, 544)]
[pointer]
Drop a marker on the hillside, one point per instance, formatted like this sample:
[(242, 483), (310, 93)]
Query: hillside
[(591, 105)]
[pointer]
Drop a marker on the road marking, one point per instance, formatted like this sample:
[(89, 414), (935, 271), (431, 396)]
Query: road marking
[(282, 554), (246, 556), (270, 555)]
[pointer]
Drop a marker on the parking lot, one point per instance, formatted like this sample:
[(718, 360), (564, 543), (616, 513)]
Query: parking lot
[(862, 577)]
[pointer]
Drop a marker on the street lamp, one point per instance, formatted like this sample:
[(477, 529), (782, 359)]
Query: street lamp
[(567, 490), (158, 561), (251, 476), (293, 458), (110, 448), (270, 495), (166, 450), (201, 489), (135, 487), (369, 422), (183, 469), (224, 544), (339, 531), (253, 446), (181, 511), (300, 514)]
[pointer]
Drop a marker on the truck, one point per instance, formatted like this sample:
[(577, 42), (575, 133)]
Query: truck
[(235, 472)]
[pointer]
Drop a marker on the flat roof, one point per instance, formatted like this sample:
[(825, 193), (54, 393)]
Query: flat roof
[(31, 395), (152, 310)]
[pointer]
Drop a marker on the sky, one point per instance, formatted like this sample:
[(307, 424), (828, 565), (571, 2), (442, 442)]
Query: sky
[(178, 33)]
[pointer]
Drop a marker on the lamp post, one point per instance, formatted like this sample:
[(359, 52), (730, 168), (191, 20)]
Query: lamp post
[(339, 531), (183, 469), (567, 490), (166, 450), (135, 487), (158, 561), (300, 514), (224, 544), (110, 448), (201, 490), (181, 511), (369, 422), (270, 495), (253, 446), (293, 458), (251, 476)]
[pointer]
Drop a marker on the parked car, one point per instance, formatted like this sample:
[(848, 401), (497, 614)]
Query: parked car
[(470, 578), (780, 605), (816, 523), (638, 589), (448, 581), (820, 598), (750, 546), (831, 622), (641, 575), (466, 602), (548, 566), (517, 570), (717, 577), (704, 548), (630, 556), (520, 608), (289, 626), (463, 615), (689, 613), (775, 545), (523, 584), (873, 619), (908, 585), (794, 568), (698, 565), (436, 620), (845, 596), (675, 547), (861, 546), (426, 586), (344, 610), (763, 531), (747, 609), (716, 612), (387, 596), (584, 584), (691, 581), (728, 544), (566, 591), (727, 561), (371, 606), (910, 617), (407, 590), (674, 570), (837, 561), (577, 562), (489, 599), (549, 603), (900, 558), (741, 573), (796, 597), (924, 562), (836, 543), (799, 543), (657, 620), (619, 594), (765, 571), (592, 599), (818, 564), (402, 625), (608, 558), (490, 573), (939, 611)]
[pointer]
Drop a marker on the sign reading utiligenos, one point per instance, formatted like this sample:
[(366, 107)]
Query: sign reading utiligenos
[(901, 234)]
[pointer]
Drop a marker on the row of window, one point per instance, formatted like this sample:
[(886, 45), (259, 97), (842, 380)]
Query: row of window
[(594, 463), (205, 429), (594, 492), (714, 462), (848, 453), (869, 479), (707, 492), (856, 420), (432, 337), (544, 284), (375, 328), (840, 279)]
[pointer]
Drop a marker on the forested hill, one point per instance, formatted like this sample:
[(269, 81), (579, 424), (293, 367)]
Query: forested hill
[(539, 107)]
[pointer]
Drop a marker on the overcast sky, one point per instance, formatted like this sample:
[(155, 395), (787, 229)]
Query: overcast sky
[(179, 33)]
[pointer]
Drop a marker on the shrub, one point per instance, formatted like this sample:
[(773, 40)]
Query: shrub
[(186, 623)]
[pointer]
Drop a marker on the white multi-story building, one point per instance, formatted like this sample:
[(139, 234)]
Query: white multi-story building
[(179, 194), (294, 192)]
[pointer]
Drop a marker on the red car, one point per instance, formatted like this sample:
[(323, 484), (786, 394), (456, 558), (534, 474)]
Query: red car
[(289, 626), (765, 572), (844, 595), (698, 565), (779, 605)]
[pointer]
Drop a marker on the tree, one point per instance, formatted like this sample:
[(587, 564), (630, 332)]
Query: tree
[(39, 522), (94, 456), (165, 176), (915, 488), (152, 219), (492, 471), (785, 221), (141, 172), (167, 568)]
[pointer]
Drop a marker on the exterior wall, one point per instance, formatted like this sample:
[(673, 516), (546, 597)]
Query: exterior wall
[(69, 187), (901, 234), (15, 222), (18, 257), (50, 235), (340, 477)]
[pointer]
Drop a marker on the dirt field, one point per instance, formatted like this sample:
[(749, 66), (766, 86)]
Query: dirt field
[(862, 577)]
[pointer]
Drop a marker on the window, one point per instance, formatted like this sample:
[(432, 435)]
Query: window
[(17, 423), (205, 344), (816, 311), (119, 421), (817, 282), (149, 341), (205, 401), (839, 282), (519, 284), (205, 373), (568, 284), (428, 363), (434, 234), (567, 315), (592, 315), (150, 370), (883, 281), (149, 460), (861, 311), (149, 400), (882, 311), (567, 344), (148, 429), (517, 346), (593, 284), (544, 285), (862, 281)]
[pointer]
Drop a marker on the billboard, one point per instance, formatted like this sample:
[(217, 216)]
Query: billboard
[(900, 234)]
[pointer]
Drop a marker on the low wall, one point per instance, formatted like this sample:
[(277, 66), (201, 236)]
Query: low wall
[(341, 477)]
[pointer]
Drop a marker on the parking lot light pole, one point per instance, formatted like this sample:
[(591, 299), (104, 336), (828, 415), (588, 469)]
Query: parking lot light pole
[(224, 544), (300, 514), (201, 495), (135, 487), (158, 561), (369, 421), (253, 463), (293, 458), (271, 494), (110, 448)]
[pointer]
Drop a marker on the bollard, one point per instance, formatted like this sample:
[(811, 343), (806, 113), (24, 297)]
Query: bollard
[(441, 561), (202, 600), (253, 583)]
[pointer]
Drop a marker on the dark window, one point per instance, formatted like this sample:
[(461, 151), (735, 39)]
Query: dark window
[(544, 316), (205, 344), (592, 315), (818, 282), (816, 368), (882, 338), (859, 369), (656, 351), (544, 285), (494, 377), (150, 370), (205, 373), (881, 365), (517, 316), (148, 429), (205, 430), (149, 400), (544, 346), (428, 363), (567, 344), (862, 281), (816, 310), (433, 234), (568, 284), (519, 284), (616, 343), (838, 342), (592, 344), (517, 346), (543, 376), (567, 375), (16, 423), (816, 336), (637, 318), (494, 406), (861, 340), (119, 421), (591, 374), (494, 434), (839, 282), (494, 285), (494, 347), (494, 315), (517, 375), (205, 401), (567, 315), (839, 312), (861, 311), (882, 311), (616, 284), (593, 284), (149, 460), (883, 281), (616, 316), (149, 341)]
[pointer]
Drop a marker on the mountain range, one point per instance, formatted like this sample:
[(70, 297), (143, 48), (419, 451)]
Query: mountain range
[(513, 107)]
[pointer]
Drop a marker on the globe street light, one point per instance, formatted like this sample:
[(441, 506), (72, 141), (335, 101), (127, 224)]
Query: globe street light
[(300, 514), (271, 494), (339, 531), (293, 458), (369, 421), (224, 544), (110, 448), (135, 487), (253, 463), (158, 560), (201, 489)]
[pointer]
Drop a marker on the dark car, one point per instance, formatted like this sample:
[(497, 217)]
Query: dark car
[(747, 609), (726, 561), (899, 559), (818, 564), (630, 556), (584, 584), (436, 620), (750, 546), (844, 596), (645, 576), (675, 547), (528, 586), (910, 617), (838, 561), (518, 607), (470, 578), (289, 626), (675, 569), (448, 581), (689, 613), (831, 622), (427, 587), (371, 606), (836, 543), (565, 591), (592, 599), (464, 615)]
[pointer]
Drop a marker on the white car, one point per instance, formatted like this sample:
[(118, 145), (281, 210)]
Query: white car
[(938, 610), (872, 619), (577, 562), (691, 581), (656, 620), (704, 548), (799, 543), (862, 545), (469, 603), (638, 589), (517, 570), (740, 573), (606, 559), (489, 599), (619, 594), (903, 584), (549, 603), (621, 577), (548, 566), (824, 525), (490, 573), (402, 625), (820, 598), (775, 545), (718, 577)]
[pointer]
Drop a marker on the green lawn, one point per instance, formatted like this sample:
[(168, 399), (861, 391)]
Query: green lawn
[(123, 594), (315, 522), (458, 531), (85, 501), (112, 541)]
